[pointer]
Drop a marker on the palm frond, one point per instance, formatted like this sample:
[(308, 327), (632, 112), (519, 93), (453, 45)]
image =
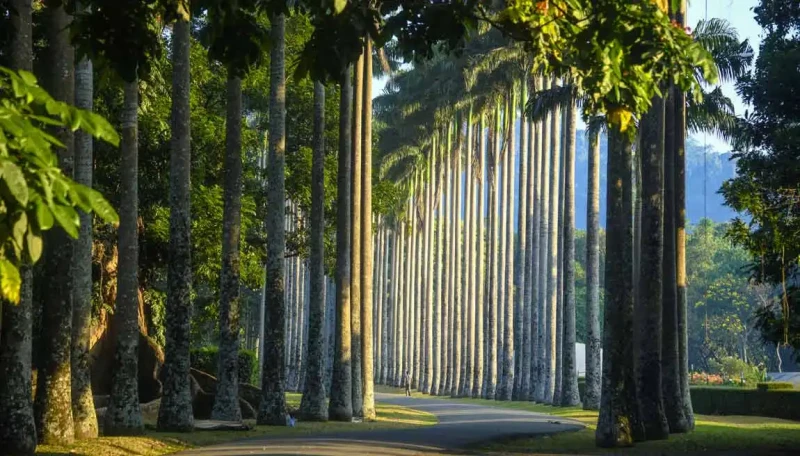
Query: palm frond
[(543, 102), (731, 56), (714, 114)]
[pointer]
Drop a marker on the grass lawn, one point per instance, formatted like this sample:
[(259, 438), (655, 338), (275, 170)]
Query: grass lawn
[(736, 435), (157, 443)]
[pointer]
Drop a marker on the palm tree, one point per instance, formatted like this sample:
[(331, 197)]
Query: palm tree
[(569, 377), (458, 270), (591, 398), (543, 374), (438, 361), (480, 263), (468, 341), (83, 412), (507, 388), (17, 428), (428, 384), (175, 412), (522, 315), (533, 266), (53, 405), (313, 406), (355, 235), (618, 423), (368, 404), (272, 410), (340, 407), (494, 278)]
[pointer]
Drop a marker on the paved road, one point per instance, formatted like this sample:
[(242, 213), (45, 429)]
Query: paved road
[(460, 425)]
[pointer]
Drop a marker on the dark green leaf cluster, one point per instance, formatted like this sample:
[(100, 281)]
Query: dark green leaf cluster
[(36, 196)]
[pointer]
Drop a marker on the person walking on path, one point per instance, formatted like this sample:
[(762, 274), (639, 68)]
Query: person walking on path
[(407, 382)]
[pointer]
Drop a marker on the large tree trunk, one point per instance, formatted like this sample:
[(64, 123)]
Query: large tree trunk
[(439, 260), (648, 309), (417, 290), (569, 378), (507, 388), (522, 315), (341, 403), (226, 400), (458, 272), (53, 407), (355, 235), (367, 372), (313, 406), (553, 259), (543, 384), (618, 423), (430, 259), (123, 415), (591, 397), (480, 286), (468, 338), (272, 410), (83, 412), (446, 227), (494, 208), (532, 258), (175, 412), (17, 428), (670, 372)]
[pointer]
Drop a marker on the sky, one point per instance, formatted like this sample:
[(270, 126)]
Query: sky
[(738, 12)]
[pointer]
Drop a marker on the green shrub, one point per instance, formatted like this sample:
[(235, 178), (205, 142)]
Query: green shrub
[(739, 401), (732, 369), (206, 360), (772, 386)]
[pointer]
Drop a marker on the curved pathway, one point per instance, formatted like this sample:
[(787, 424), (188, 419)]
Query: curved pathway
[(460, 425)]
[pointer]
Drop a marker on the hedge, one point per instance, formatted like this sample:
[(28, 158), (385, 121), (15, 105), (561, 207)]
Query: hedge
[(739, 401), (772, 386), (205, 359)]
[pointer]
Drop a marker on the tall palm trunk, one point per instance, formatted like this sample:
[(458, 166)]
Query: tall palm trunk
[(123, 415), (411, 314), (569, 379), (340, 407), (175, 412), (552, 258), (469, 276), (380, 313), (618, 423), (430, 274), (272, 410), (53, 406), (591, 398), (418, 302), (439, 260), (17, 428), (313, 406), (366, 242), (532, 259), (83, 412), (446, 226), (523, 308), (480, 287), (494, 279), (671, 380), (226, 400), (458, 272), (355, 235), (507, 388), (502, 250), (543, 383)]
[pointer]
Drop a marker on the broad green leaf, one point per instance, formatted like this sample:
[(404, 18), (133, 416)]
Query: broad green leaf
[(67, 218), (19, 229), (44, 217), (10, 281), (338, 5), (101, 207), (15, 181), (34, 246), (27, 77)]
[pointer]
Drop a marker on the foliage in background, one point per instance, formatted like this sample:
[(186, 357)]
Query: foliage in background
[(206, 359), (766, 191)]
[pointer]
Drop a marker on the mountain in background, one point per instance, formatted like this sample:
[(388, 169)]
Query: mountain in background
[(716, 167)]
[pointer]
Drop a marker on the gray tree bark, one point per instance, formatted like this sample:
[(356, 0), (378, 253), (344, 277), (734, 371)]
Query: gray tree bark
[(618, 423), (468, 339), (83, 412), (523, 304), (480, 285), (355, 235), (591, 399), (313, 406), (553, 259), (494, 279), (366, 243), (439, 260), (340, 407), (272, 410), (226, 400), (458, 272), (175, 412), (507, 387), (123, 415), (569, 378), (543, 357), (53, 406)]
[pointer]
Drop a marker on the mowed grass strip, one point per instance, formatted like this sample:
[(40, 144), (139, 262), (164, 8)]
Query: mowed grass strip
[(158, 443)]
